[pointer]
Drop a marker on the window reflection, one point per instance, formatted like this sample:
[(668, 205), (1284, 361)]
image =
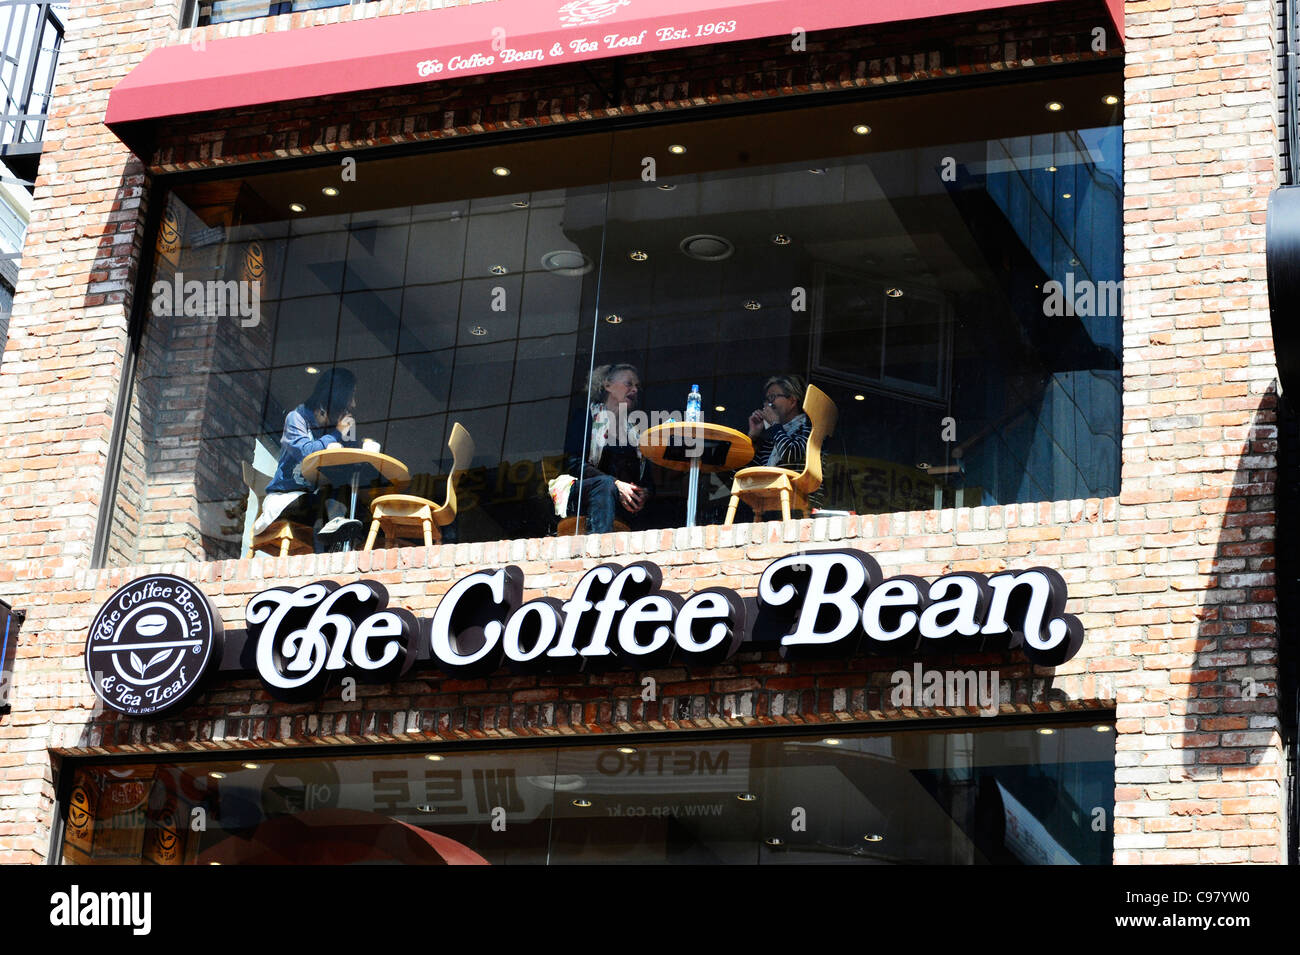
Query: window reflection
[(907, 275), (971, 796)]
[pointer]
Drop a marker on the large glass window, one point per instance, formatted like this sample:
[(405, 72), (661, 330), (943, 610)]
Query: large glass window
[(943, 268), (1006, 795)]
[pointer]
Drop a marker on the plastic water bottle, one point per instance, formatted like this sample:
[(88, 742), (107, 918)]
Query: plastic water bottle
[(693, 402)]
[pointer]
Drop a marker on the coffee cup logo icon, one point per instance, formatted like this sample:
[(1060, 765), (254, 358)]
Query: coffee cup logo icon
[(150, 645)]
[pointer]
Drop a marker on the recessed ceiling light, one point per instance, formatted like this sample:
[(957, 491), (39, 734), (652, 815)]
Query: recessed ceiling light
[(426, 808), (478, 330), (567, 262), (1054, 107), (581, 803), (667, 186), (719, 407), (1067, 195), (859, 397), (862, 129), (753, 305), (1051, 169), (894, 292), (873, 837), (498, 270), (500, 171), (252, 765), (297, 207), (1045, 731), (330, 191), (638, 256), (677, 149), (818, 172), (214, 863), (707, 248), (520, 203), (1110, 99), (614, 319), (923, 465), (781, 239), (434, 757), (774, 841), (312, 370), (832, 741), (746, 797), (1101, 728), (1074, 261), (216, 775), (627, 750)]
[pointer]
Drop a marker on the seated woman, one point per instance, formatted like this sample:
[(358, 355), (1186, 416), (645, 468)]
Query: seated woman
[(780, 430), (613, 479), (323, 420)]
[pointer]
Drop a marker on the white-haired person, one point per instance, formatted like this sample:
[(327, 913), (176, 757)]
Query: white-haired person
[(609, 475)]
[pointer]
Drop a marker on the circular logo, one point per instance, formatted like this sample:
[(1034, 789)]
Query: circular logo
[(170, 231), (150, 645), (254, 261)]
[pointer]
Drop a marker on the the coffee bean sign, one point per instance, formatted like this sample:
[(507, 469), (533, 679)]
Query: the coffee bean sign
[(831, 603)]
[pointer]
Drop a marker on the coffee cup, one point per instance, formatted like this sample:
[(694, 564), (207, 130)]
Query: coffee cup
[(370, 445)]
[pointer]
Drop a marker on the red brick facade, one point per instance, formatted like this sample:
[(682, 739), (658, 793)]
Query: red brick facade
[(1173, 580)]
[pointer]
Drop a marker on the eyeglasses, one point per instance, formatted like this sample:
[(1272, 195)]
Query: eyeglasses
[(771, 399)]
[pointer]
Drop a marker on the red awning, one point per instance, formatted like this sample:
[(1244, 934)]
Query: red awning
[(489, 37)]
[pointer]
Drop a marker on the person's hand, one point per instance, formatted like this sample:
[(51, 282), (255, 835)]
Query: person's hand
[(348, 427), (756, 424), (631, 496)]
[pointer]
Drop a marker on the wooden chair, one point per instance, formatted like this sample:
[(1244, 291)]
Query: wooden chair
[(395, 512), (282, 538), (578, 525), (766, 489)]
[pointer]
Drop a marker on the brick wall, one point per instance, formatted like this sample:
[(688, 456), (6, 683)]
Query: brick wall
[(1172, 580)]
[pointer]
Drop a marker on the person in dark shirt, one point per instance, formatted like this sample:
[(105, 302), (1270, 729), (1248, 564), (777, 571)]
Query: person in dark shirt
[(780, 430), (323, 420), (613, 478)]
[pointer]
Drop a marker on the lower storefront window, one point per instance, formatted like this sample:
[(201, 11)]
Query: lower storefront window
[(1028, 794)]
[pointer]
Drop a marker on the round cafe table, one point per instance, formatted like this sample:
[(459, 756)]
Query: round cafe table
[(354, 467), (696, 447)]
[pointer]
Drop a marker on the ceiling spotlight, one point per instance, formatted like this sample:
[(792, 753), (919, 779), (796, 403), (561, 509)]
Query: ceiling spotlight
[(753, 305), (719, 407), (894, 292), (832, 741), (818, 172), (312, 370), (1067, 195), (677, 149), (216, 775), (667, 186), (1074, 261), (627, 750), (614, 319), (923, 465), (1110, 99), (500, 171), (520, 203), (252, 765), (1054, 107), (498, 270), (477, 330), (1051, 169), (859, 397), (746, 797), (638, 256), (330, 191), (873, 837), (1045, 731), (1101, 728), (581, 803), (781, 239), (434, 757), (297, 207), (774, 842), (426, 808), (862, 129)]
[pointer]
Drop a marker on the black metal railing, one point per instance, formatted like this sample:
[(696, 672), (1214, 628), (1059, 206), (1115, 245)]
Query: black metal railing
[(33, 34)]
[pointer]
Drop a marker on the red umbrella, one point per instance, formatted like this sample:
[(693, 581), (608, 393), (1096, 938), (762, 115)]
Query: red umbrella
[(339, 837)]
